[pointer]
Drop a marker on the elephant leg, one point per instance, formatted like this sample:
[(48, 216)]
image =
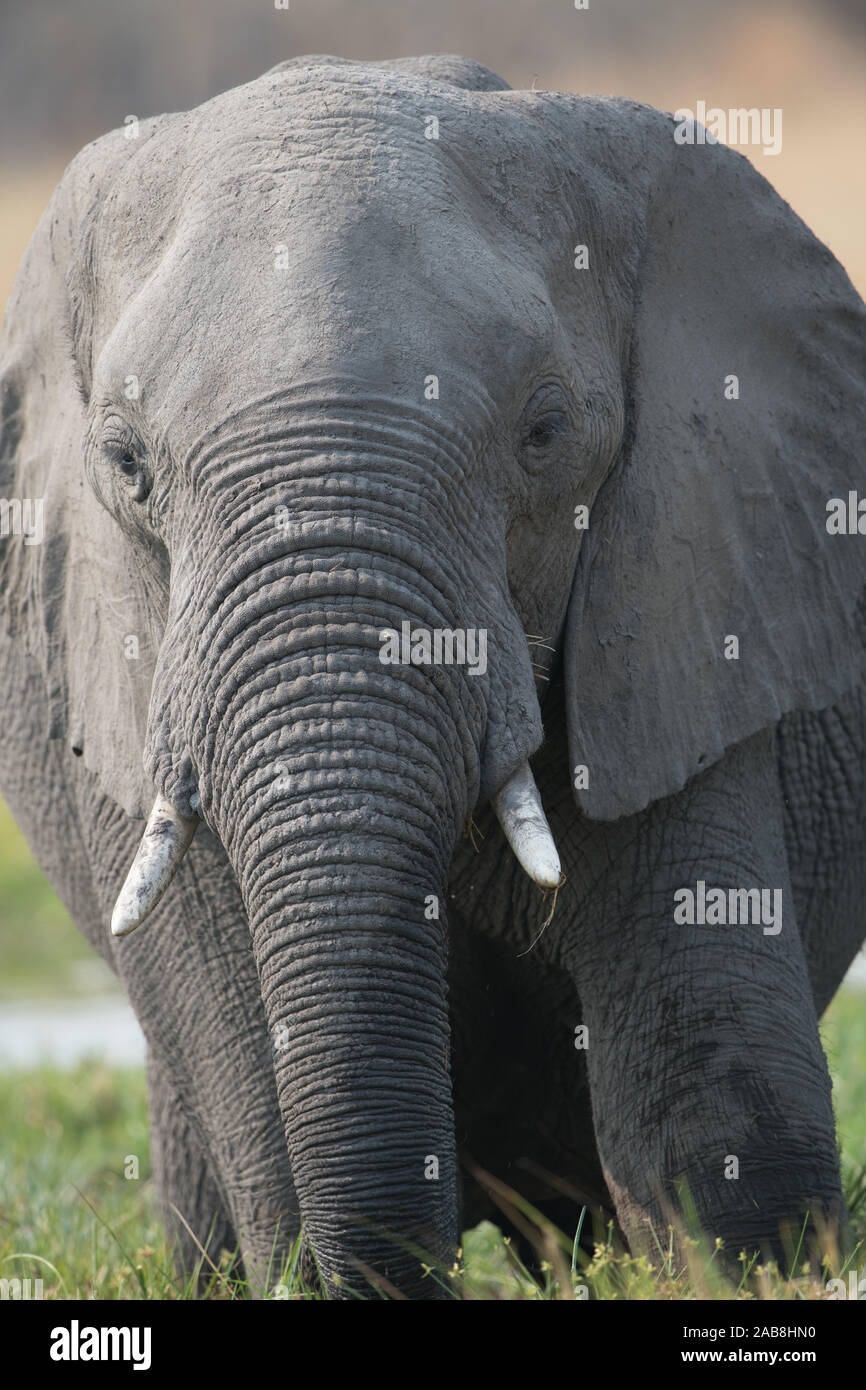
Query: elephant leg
[(192, 1206), (705, 1063), (822, 769), (521, 1094), (189, 973), (191, 978)]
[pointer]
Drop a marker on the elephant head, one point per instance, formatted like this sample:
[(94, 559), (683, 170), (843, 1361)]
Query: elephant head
[(356, 355)]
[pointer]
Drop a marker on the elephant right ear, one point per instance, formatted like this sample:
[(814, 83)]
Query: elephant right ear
[(716, 588), (75, 606)]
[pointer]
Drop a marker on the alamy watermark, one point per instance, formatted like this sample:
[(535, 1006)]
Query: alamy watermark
[(20, 1288), (704, 906), (741, 125), (846, 516), (855, 1290), (77, 1343), (23, 517), (438, 646)]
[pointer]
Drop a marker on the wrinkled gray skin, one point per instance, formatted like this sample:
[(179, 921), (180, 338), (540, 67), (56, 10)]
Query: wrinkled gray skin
[(294, 995)]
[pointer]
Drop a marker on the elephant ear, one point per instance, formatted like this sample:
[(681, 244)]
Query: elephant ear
[(710, 598), (75, 601)]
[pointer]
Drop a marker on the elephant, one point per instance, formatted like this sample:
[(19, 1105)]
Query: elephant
[(437, 690)]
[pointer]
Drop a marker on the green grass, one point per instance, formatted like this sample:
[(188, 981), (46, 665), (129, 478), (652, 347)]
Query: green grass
[(843, 1030), (67, 1135), (70, 1216)]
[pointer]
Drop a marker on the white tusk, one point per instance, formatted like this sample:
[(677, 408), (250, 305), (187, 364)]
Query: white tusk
[(519, 812), (165, 841)]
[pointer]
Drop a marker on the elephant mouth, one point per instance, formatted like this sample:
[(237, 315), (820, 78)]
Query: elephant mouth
[(169, 834)]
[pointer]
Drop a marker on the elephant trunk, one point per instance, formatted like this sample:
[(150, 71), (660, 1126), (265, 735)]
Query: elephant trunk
[(339, 782), (338, 786), (341, 851), (351, 949)]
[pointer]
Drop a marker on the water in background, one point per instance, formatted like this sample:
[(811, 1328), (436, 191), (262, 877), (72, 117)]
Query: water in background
[(65, 1031)]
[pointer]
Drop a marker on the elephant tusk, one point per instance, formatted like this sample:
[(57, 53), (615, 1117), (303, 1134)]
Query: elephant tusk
[(519, 811), (165, 841)]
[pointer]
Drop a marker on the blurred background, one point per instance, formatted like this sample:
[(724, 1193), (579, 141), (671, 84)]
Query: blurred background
[(72, 69)]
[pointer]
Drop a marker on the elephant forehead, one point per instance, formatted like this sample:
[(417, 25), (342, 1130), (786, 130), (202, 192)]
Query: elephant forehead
[(337, 112), (306, 225), (309, 146), (237, 311)]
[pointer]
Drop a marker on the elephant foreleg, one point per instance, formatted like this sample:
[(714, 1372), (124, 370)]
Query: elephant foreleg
[(192, 1207), (705, 1064)]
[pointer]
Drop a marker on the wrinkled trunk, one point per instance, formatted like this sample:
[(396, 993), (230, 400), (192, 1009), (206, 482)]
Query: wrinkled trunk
[(338, 786), (341, 844), (354, 985)]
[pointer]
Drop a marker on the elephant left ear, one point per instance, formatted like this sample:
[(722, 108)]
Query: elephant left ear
[(76, 607), (718, 583)]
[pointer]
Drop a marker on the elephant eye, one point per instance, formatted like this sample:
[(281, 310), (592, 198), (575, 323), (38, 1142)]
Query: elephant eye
[(545, 429), (131, 465), (124, 455)]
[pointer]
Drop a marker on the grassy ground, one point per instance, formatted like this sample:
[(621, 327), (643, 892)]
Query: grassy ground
[(78, 1210)]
